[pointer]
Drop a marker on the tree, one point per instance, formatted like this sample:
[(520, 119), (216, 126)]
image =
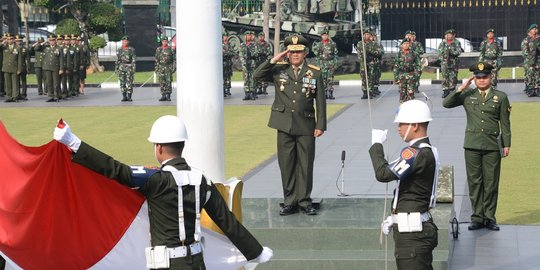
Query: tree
[(93, 17)]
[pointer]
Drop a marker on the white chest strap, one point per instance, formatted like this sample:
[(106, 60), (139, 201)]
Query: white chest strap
[(183, 178), (433, 198)]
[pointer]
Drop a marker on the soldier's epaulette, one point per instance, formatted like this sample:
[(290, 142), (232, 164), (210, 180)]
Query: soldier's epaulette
[(282, 63), (314, 67)]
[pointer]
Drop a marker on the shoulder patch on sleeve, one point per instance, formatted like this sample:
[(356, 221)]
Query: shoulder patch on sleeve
[(314, 67), (408, 153)]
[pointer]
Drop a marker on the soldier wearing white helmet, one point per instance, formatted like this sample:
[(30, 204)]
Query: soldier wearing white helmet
[(415, 233), (178, 238)]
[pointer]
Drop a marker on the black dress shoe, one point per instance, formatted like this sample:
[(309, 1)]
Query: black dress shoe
[(288, 210), (51, 100), (309, 210), (475, 226), (492, 226)]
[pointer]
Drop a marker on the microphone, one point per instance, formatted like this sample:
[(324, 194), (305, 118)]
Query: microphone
[(342, 174), (342, 156)]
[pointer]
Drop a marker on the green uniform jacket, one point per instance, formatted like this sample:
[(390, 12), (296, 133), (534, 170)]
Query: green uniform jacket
[(25, 59), (415, 190), (292, 110), (52, 57), (161, 193), (487, 121), (38, 57), (74, 50), (12, 59)]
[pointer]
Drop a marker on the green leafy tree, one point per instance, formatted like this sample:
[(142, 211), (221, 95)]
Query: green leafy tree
[(89, 18)]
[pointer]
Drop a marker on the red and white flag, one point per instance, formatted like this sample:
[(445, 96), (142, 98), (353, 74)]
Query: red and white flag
[(56, 214)]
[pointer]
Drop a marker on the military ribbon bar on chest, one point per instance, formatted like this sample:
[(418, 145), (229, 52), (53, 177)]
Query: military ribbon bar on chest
[(309, 84)]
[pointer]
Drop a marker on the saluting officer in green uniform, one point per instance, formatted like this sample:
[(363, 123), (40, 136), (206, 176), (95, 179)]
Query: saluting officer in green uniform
[(74, 83), (415, 233), (125, 68), (491, 52), (12, 68), (24, 69), (488, 130), (2, 89), (165, 67), (38, 64), (53, 67), (173, 226), (85, 63), (298, 86)]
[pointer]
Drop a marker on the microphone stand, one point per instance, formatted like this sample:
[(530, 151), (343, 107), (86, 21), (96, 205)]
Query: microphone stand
[(342, 191)]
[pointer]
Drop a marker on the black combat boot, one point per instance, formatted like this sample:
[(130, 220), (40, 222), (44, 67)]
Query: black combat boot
[(228, 92), (445, 93), (264, 92), (247, 96), (331, 95), (124, 97), (163, 98), (254, 96), (365, 95), (129, 97), (168, 97)]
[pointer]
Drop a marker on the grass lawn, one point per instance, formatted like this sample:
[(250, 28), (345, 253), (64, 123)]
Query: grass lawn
[(122, 132)]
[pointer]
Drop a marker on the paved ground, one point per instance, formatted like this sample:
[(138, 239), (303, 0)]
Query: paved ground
[(514, 247)]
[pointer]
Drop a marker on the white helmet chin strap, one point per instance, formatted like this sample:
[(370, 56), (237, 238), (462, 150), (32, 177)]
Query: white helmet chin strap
[(155, 152), (407, 133)]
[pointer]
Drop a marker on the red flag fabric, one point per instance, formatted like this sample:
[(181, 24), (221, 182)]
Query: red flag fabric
[(55, 214)]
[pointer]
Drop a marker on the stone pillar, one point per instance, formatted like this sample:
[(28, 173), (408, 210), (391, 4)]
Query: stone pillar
[(140, 20)]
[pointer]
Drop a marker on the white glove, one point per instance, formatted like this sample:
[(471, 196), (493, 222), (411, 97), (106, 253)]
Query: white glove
[(62, 133), (386, 225), (378, 136), (265, 256)]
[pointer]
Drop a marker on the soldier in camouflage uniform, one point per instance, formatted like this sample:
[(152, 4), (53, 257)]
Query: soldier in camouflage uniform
[(417, 48), (125, 68), (373, 51), (264, 52), (491, 52), (228, 55), (165, 67), (24, 69), (327, 58), (11, 66), (530, 50), (248, 56), (449, 51), (38, 64), (377, 64), (406, 66)]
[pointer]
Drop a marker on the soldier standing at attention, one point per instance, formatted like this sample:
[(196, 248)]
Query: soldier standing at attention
[(415, 233), (298, 86), (449, 51), (228, 55), (24, 68), (76, 57), (85, 63), (165, 67), (406, 66), (530, 50), (2, 89), (377, 63), (417, 48), (327, 58), (248, 55), (12, 68), (38, 64), (488, 130), (366, 79), (125, 68), (491, 52), (264, 52), (53, 67), (66, 63)]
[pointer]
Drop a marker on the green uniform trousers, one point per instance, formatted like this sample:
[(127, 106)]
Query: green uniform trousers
[(11, 85), (414, 250), (75, 83), (39, 79), (64, 81), (188, 263), (483, 172), (52, 83), (296, 154), (23, 85)]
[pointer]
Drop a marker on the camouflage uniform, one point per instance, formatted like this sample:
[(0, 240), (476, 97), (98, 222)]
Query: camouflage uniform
[(327, 59), (491, 52), (125, 68), (248, 55), (417, 48), (406, 67), (165, 67), (264, 52), (448, 55), (530, 50), (377, 65), (373, 52), (228, 55)]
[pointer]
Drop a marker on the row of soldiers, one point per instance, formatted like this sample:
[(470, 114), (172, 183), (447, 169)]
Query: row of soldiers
[(252, 54), (60, 66)]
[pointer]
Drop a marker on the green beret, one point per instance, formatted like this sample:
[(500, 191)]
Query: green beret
[(408, 32), (490, 30), (296, 43), (325, 31), (224, 34), (532, 26), (404, 40), (163, 37), (450, 31), (413, 33), (481, 69), (248, 32), (261, 34), (372, 32), (125, 38)]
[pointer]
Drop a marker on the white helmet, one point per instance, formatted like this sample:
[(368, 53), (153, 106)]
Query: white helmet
[(413, 111), (168, 129)]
